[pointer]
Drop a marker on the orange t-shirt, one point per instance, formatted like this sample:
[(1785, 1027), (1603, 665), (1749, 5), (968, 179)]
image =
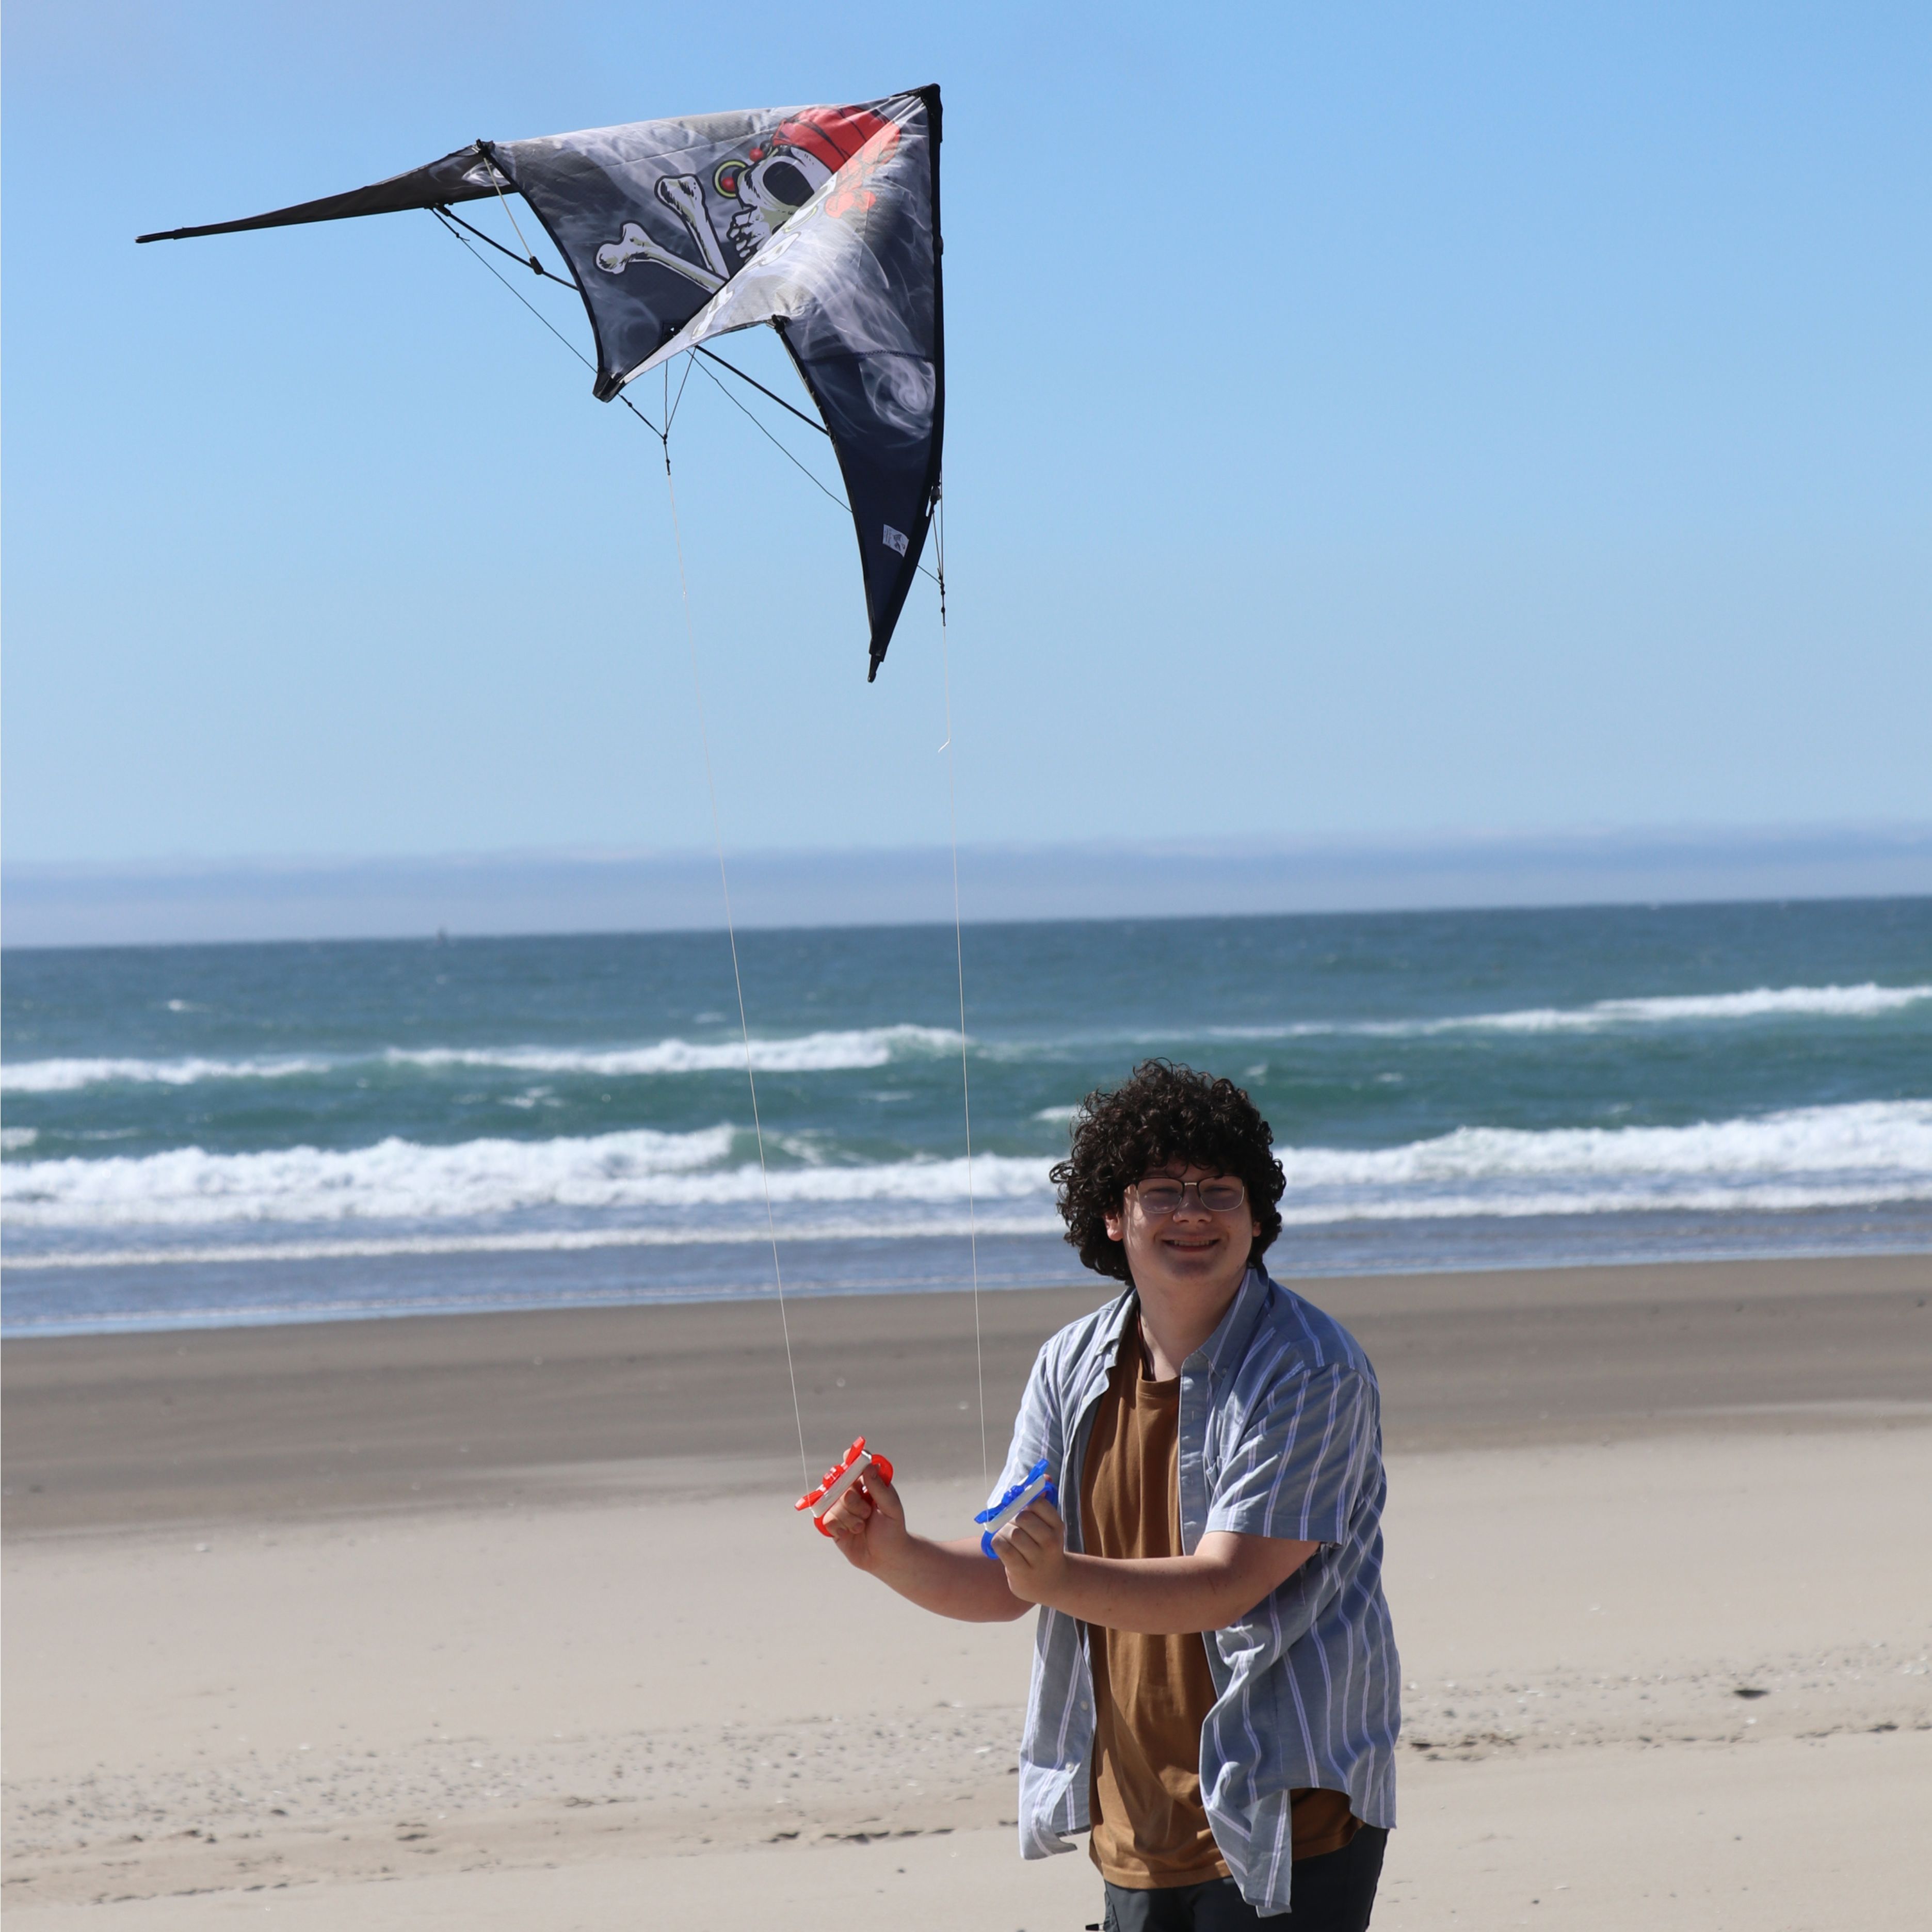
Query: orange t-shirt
[(1152, 1694)]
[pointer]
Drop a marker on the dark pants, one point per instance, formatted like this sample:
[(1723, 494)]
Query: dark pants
[(1334, 1893)]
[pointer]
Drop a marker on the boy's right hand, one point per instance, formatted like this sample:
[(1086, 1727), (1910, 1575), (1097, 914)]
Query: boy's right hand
[(868, 1523)]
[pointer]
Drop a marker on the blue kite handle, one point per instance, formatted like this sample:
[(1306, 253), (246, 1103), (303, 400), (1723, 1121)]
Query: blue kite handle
[(1034, 1485)]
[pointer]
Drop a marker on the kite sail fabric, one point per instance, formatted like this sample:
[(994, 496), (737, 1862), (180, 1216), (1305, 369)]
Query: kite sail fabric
[(822, 221)]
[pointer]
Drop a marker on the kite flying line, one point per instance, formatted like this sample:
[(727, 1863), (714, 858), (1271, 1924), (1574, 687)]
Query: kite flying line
[(731, 932), (959, 959), (822, 222), (671, 404), (704, 742)]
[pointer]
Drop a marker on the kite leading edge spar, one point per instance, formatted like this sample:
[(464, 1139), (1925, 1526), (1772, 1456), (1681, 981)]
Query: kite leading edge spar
[(822, 221)]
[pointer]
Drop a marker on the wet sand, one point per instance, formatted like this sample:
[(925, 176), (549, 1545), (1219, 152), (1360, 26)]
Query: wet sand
[(505, 1620), (234, 1424)]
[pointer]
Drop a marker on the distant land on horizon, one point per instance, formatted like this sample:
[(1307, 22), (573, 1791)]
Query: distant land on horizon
[(184, 901)]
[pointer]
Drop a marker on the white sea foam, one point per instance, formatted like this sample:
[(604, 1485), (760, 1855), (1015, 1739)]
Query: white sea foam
[(13, 1139), (670, 1188), (1865, 1002), (403, 1180), (807, 1053), (1864, 1153), (65, 1076)]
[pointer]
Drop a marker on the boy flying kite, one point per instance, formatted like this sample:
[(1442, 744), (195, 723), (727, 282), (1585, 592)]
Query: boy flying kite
[(1215, 1681)]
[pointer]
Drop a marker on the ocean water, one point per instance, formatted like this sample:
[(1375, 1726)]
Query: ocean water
[(230, 1134)]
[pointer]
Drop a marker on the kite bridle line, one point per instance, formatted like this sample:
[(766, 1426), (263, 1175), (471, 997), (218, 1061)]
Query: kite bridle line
[(809, 476), (445, 218), (451, 221)]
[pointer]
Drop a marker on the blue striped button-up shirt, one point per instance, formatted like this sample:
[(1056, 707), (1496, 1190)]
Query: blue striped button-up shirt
[(1280, 1436)]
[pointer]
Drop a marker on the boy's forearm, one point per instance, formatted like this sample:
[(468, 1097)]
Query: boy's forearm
[(951, 1580), (1159, 1596)]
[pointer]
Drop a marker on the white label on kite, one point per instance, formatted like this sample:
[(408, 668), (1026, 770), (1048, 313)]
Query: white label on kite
[(897, 540)]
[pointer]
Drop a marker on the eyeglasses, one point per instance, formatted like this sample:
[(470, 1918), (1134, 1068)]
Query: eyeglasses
[(1160, 1196)]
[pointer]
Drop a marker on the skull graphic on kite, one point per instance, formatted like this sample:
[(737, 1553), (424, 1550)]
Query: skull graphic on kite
[(823, 222)]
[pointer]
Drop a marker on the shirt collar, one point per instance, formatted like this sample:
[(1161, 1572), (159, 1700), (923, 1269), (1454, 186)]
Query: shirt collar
[(1229, 1341), (1221, 1351), (1126, 1305)]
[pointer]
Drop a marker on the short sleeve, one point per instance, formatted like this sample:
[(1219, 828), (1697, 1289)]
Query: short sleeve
[(1297, 1469)]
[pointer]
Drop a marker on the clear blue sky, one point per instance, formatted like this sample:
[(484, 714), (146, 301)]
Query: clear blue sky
[(1389, 420)]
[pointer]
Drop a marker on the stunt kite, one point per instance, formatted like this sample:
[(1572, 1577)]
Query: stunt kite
[(822, 221)]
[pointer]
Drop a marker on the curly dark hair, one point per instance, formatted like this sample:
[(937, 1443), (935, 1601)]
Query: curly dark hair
[(1162, 1113)]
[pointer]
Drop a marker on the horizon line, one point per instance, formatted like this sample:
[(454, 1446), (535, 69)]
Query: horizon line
[(579, 891), (1461, 840)]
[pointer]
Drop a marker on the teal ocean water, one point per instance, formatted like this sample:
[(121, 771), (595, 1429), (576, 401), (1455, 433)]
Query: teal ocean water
[(250, 1133)]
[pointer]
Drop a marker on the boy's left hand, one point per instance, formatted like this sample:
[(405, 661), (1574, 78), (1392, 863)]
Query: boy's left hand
[(1032, 1549)]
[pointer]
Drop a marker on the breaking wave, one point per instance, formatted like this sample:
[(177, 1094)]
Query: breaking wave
[(403, 1180), (65, 1076), (643, 1187), (1864, 1153), (807, 1053), (810, 1053), (1865, 1002), (858, 1048)]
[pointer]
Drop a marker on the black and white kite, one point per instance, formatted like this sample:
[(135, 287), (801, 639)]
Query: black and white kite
[(821, 221)]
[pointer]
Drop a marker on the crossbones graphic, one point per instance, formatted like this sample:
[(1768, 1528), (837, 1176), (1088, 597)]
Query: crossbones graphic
[(681, 194), (768, 186)]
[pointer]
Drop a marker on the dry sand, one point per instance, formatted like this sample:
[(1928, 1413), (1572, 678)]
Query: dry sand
[(506, 1621)]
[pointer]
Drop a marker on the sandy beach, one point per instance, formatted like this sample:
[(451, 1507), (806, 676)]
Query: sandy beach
[(506, 1620)]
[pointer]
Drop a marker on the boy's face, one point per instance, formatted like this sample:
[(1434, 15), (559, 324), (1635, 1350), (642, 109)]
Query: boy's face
[(1195, 1255)]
